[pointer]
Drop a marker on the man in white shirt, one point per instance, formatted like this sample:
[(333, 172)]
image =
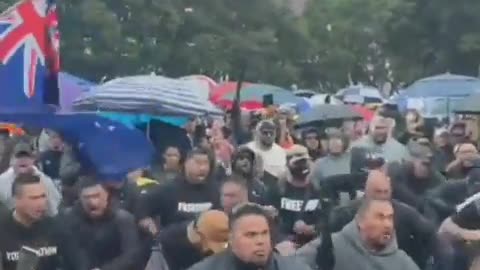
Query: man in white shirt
[(274, 157)]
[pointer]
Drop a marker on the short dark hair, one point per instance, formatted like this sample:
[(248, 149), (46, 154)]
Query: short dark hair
[(198, 151), (367, 203), (22, 180), (237, 180), (86, 181), (248, 209)]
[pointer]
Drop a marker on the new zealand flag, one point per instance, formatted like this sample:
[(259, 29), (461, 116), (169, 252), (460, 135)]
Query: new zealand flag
[(29, 56)]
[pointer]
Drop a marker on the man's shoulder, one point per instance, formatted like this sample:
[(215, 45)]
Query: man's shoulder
[(7, 175), (218, 261), (406, 262), (351, 205), (279, 150), (251, 145), (405, 209), (360, 141), (289, 262), (123, 215)]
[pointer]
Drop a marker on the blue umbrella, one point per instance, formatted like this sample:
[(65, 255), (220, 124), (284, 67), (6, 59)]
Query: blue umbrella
[(445, 85), (108, 147)]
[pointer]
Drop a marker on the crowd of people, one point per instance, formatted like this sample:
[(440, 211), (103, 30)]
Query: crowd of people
[(252, 192)]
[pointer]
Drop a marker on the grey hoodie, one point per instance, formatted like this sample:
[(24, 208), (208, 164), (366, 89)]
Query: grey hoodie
[(53, 195), (391, 150), (351, 254)]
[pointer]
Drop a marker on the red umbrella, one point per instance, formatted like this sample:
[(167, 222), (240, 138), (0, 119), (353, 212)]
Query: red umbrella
[(246, 105), (223, 89), (366, 113)]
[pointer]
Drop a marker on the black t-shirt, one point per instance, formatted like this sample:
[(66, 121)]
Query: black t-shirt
[(469, 216), (50, 163), (177, 250), (44, 237), (179, 201), (295, 204)]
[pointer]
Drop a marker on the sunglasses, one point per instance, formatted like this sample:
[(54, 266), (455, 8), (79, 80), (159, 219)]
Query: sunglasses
[(267, 133)]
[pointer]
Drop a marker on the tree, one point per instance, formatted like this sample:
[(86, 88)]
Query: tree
[(401, 41), (350, 40), (180, 37), (435, 37)]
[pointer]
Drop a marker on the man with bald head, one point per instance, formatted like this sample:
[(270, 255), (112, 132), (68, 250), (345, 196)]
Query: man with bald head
[(378, 186), (415, 234)]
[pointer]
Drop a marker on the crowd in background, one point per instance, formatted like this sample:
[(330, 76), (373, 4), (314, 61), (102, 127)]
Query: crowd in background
[(252, 191)]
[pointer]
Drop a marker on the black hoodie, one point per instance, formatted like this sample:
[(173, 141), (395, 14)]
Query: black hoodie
[(109, 243), (257, 189)]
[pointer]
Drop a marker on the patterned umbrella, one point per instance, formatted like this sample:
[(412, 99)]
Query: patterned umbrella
[(154, 95)]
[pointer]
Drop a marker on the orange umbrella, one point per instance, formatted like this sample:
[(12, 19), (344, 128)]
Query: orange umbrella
[(12, 129)]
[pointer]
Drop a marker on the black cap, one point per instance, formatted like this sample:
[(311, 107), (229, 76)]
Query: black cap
[(266, 125), (23, 149), (420, 151)]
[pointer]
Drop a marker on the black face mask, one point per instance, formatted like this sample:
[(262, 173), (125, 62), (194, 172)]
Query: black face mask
[(300, 169)]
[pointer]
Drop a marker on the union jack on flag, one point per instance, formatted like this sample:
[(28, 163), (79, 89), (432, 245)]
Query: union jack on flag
[(29, 53)]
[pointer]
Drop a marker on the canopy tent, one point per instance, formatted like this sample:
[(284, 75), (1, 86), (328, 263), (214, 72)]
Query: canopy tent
[(154, 95)]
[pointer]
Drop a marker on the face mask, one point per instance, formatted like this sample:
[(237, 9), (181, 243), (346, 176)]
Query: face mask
[(300, 169)]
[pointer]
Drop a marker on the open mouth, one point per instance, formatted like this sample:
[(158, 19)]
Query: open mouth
[(387, 236), (260, 253)]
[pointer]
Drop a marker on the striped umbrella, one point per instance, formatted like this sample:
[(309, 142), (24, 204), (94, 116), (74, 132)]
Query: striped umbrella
[(153, 95), (256, 92)]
